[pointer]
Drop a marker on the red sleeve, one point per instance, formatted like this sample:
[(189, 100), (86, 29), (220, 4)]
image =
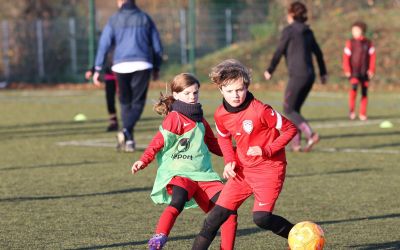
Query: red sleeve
[(372, 58), (225, 142), (287, 130), (346, 57), (171, 123), (210, 140), (156, 144)]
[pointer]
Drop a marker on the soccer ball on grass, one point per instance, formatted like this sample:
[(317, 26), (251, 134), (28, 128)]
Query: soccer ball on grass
[(306, 235)]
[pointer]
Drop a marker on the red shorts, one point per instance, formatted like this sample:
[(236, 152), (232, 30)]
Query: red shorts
[(264, 181), (201, 191), (356, 81)]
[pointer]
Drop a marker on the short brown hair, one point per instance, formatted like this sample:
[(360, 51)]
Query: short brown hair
[(299, 11), (178, 84), (229, 70), (361, 25)]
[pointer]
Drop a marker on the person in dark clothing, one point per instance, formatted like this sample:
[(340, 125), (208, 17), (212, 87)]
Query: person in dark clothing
[(110, 91), (137, 56), (298, 44), (359, 58)]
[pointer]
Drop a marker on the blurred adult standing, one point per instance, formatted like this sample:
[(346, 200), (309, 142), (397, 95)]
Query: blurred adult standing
[(137, 57), (298, 44)]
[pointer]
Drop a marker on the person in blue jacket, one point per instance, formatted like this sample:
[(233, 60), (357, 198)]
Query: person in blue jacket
[(137, 56)]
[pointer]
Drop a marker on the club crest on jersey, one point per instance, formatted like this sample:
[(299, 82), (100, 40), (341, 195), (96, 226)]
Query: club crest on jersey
[(248, 126)]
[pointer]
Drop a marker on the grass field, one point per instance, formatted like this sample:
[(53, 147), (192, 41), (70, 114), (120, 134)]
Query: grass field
[(63, 185)]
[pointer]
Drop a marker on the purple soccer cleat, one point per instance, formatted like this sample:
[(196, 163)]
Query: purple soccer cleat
[(157, 241)]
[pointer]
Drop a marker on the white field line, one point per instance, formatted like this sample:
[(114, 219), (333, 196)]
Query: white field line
[(106, 143), (358, 150), (348, 124)]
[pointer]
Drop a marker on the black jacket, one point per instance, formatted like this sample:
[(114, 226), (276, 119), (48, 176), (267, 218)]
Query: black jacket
[(298, 43)]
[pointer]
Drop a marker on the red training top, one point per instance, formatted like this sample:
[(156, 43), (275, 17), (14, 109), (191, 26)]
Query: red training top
[(359, 57), (257, 125), (179, 124)]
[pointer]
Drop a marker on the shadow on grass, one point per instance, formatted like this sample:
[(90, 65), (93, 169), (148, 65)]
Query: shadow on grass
[(60, 165), (352, 135), (347, 171), (385, 145), (377, 217), (371, 246), (240, 232), (254, 230), (56, 197)]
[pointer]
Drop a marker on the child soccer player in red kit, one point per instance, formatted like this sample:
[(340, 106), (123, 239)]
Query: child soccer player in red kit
[(185, 174), (258, 164), (359, 66)]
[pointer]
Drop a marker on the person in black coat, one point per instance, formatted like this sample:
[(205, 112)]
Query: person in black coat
[(298, 44)]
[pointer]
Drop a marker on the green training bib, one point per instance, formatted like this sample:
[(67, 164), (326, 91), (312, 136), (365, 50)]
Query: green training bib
[(184, 155)]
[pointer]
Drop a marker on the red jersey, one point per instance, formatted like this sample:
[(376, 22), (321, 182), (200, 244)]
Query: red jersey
[(359, 57), (179, 124), (257, 125)]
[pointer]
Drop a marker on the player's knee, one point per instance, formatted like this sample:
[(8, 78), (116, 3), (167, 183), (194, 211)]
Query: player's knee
[(263, 219), (354, 87), (179, 198), (364, 92), (179, 204), (217, 216)]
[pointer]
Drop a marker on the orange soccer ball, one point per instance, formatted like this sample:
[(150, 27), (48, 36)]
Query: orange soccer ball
[(306, 235)]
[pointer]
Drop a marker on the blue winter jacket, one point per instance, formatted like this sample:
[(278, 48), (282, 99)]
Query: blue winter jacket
[(134, 35)]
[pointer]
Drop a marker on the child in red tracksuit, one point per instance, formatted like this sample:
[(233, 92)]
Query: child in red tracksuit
[(258, 164), (359, 66), (185, 173)]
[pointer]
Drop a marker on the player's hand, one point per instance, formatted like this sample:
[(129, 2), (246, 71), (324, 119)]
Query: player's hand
[(88, 74), (370, 74), (254, 151), (347, 74), (156, 75), (96, 79), (137, 166), (267, 75), (229, 170), (324, 79)]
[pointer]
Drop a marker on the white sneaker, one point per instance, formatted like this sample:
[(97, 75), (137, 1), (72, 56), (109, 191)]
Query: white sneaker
[(362, 117), (129, 146)]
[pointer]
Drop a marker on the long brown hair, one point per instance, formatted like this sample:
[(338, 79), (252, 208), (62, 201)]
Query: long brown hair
[(299, 11), (178, 84)]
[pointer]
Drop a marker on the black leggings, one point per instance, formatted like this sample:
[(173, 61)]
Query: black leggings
[(296, 93), (364, 88), (180, 197), (218, 215), (111, 89)]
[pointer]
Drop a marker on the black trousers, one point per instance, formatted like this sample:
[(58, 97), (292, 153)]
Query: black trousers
[(111, 89), (296, 93), (132, 96)]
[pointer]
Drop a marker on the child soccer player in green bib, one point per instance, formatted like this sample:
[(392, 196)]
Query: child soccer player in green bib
[(185, 175)]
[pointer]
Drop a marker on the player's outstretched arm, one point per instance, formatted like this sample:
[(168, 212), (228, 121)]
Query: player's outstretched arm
[(138, 165)]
